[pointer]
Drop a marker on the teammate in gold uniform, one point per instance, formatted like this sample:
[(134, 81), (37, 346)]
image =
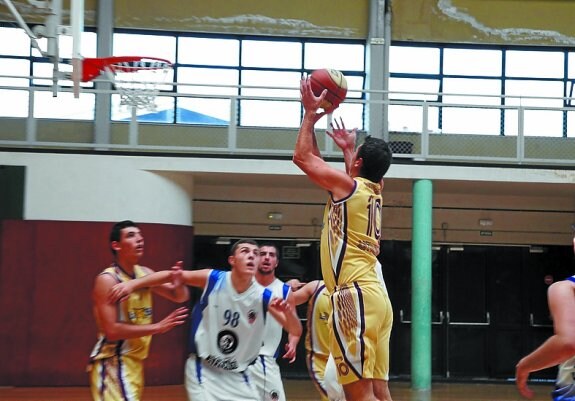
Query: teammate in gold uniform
[(317, 337), (125, 328), (362, 316)]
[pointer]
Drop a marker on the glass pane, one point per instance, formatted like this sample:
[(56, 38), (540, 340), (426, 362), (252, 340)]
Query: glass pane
[(571, 69), (260, 113), (472, 62), (279, 79), (345, 57), (461, 87), (145, 45), (536, 123), (351, 113), (413, 89), (410, 118), (64, 106), (485, 121), (260, 53), (15, 67), (201, 79), (571, 124), (88, 45), (18, 104), (534, 64), (14, 42), (416, 60), (354, 87), (204, 111), (43, 73), (520, 91), (209, 51), (163, 113)]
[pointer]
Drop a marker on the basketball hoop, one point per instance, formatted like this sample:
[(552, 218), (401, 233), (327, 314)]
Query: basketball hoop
[(136, 78)]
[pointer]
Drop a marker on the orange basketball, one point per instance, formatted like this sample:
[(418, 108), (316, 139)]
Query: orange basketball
[(332, 80)]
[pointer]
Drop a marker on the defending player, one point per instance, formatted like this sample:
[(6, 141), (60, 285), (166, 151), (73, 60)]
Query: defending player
[(125, 330), (265, 372), (227, 327)]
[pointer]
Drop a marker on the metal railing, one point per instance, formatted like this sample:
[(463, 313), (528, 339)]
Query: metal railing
[(417, 142)]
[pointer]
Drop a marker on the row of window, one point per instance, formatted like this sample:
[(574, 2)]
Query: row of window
[(478, 87)]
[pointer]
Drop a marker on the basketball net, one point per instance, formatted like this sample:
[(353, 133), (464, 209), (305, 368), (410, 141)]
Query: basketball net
[(137, 79)]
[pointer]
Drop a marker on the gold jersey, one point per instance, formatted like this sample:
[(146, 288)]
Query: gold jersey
[(350, 236), (137, 309), (318, 311)]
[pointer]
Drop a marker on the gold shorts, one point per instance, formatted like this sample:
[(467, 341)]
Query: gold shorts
[(360, 329), (117, 379)]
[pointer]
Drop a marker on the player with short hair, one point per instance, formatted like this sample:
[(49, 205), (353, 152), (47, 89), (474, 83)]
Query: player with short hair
[(125, 329), (362, 313), (265, 371), (559, 349), (227, 328)]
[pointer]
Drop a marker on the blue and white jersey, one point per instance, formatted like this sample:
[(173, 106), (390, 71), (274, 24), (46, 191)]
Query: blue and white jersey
[(227, 327), (274, 330)]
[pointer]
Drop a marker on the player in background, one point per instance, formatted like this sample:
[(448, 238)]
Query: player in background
[(125, 329), (362, 315), (318, 357), (559, 349), (265, 371), (227, 328)]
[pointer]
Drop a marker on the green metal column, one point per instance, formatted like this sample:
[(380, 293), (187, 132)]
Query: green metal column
[(421, 285)]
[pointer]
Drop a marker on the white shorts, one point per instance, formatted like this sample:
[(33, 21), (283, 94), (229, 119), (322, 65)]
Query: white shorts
[(330, 384), (205, 383), (266, 376)]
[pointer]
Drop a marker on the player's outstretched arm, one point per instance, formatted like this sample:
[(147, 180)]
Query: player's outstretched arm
[(121, 291), (176, 290), (107, 314), (304, 293)]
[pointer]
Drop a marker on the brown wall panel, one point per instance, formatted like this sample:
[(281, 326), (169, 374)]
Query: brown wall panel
[(17, 271), (47, 269)]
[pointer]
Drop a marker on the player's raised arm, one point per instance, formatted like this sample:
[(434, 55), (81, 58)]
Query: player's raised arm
[(306, 155)]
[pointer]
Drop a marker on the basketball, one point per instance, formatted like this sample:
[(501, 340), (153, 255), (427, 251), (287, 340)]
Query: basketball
[(335, 83)]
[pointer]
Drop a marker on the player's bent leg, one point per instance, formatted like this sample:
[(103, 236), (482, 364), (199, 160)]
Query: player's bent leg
[(381, 390), (316, 369), (205, 383), (332, 387), (360, 390)]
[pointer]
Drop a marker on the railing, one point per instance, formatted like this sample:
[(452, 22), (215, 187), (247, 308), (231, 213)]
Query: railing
[(516, 146)]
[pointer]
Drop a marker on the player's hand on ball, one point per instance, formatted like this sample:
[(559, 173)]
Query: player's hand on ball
[(311, 103)]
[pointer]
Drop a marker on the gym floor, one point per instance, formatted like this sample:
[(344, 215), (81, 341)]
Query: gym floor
[(297, 390)]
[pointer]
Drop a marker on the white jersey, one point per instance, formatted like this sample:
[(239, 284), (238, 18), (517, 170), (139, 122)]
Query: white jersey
[(274, 330), (227, 327)]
